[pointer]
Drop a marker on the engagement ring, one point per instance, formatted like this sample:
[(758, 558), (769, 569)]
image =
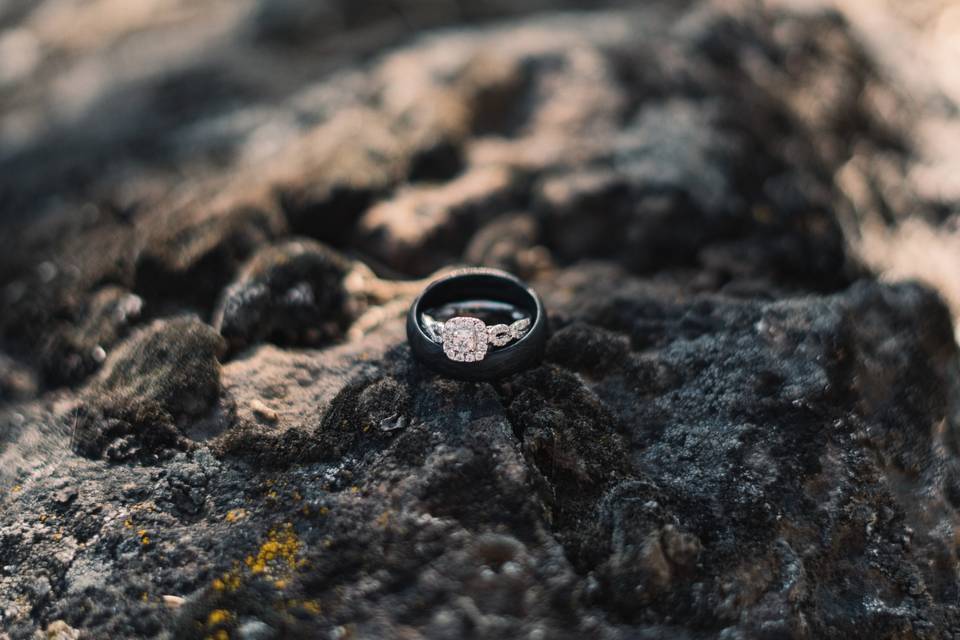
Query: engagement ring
[(477, 324)]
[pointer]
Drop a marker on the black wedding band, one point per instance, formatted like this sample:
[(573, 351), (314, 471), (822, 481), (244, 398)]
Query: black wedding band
[(466, 347)]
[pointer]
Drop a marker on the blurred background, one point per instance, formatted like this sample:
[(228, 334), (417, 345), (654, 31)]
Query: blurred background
[(124, 125), (89, 87)]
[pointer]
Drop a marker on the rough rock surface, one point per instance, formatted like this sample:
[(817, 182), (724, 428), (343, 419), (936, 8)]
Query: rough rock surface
[(211, 425)]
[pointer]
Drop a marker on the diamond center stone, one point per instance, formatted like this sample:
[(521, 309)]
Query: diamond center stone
[(465, 339)]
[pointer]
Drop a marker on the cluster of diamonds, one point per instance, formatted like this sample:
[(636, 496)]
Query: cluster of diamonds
[(465, 339)]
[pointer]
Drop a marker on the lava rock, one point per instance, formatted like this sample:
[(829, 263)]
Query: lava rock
[(737, 431), (423, 226), (511, 242), (337, 171), (75, 352), (162, 376), (17, 381), (200, 250), (62, 282), (291, 293)]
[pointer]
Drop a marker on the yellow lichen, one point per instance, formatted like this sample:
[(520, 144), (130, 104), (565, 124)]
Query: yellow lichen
[(275, 559), (281, 546), (229, 581), (235, 514), (217, 616)]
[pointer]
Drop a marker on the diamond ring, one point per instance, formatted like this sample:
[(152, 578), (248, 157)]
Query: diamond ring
[(477, 324), (465, 339)]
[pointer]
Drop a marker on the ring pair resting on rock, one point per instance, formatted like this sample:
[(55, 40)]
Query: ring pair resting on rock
[(477, 324)]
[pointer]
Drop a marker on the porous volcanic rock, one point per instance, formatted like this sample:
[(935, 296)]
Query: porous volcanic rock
[(161, 381), (291, 293), (211, 425)]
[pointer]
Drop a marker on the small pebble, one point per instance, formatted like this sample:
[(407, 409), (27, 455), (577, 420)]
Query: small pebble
[(263, 411)]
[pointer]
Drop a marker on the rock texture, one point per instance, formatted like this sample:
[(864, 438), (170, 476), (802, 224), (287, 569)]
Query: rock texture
[(211, 425)]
